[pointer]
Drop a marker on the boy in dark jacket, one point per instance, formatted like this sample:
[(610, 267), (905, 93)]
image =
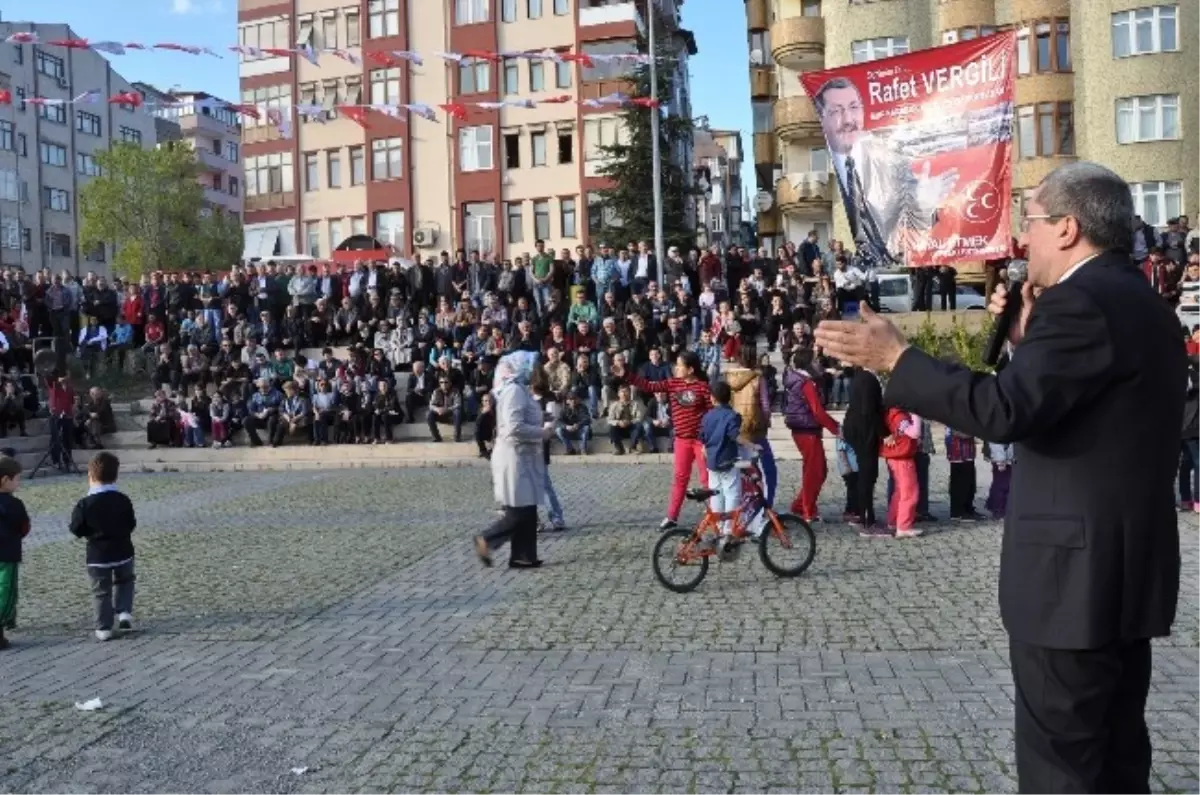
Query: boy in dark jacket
[(719, 430), (106, 519), (14, 526)]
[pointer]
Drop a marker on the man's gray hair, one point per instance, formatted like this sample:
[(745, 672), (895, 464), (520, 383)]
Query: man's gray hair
[(829, 85), (1096, 198)]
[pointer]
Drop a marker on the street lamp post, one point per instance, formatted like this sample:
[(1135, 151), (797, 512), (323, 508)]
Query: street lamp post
[(654, 127)]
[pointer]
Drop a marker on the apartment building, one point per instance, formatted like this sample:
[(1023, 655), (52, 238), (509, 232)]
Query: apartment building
[(1114, 81), (209, 127), (718, 166), (47, 152), (494, 182)]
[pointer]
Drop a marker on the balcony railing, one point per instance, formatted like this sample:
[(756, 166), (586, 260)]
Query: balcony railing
[(796, 119), (807, 190), (610, 13), (798, 42), (762, 81), (270, 201), (758, 15)]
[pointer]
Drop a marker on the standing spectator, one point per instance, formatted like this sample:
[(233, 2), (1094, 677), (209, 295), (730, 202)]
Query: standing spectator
[(899, 448), (805, 416), (1001, 457), (14, 526), (948, 288), (961, 452), (105, 517), (864, 429)]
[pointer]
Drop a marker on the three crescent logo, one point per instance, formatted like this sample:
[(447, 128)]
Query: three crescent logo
[(981, 202)]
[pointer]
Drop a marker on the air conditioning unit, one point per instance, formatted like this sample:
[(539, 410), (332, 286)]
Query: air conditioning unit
[(424, 237)]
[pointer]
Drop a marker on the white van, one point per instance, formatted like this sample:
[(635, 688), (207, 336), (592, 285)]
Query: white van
[(896, 295)]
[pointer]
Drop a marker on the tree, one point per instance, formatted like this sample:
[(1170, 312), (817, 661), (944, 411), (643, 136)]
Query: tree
[(146, 203), (627, 209), (215, 241)]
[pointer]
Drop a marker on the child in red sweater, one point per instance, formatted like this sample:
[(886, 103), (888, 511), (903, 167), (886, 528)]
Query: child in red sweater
[(690, 398), (900, 450)]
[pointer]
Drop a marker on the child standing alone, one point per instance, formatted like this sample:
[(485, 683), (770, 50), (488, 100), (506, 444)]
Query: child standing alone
[(106, 519), (719, 430), (14, 526)]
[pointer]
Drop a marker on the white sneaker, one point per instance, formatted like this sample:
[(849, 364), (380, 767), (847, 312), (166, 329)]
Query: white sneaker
[(104, 634), (666, 524), (125, 621)]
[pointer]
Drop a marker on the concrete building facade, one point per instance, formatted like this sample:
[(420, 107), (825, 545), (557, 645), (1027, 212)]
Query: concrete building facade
[(718, 166), (1114, 81), (213, 131), (47, 152), (494, 182)]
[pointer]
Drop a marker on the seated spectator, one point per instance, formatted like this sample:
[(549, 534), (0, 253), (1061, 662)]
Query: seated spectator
[(12, 409), (585, 384), (445, 406), (350, 426), (385, 413), (294, 415), (574, 425), (625, 418), (194, 416), (163, 426), (420, 387), (95, 419), (324, 411), (93, 342), (220, 414), (558, 373), (657, 422), (485, 426), (262, 412)]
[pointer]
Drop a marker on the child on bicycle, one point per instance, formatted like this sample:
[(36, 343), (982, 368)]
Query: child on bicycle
[(719, 430)]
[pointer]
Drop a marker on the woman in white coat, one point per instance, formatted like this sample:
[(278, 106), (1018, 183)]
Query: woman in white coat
[(518, 469)]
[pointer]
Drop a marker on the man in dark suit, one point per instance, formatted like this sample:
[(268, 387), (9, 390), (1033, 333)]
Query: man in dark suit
[(1093, 398)]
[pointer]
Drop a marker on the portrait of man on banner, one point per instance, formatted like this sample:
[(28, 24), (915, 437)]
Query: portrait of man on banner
[(889, 196)]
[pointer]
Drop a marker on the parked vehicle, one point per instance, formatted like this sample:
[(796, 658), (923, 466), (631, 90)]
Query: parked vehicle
[(896, 294)]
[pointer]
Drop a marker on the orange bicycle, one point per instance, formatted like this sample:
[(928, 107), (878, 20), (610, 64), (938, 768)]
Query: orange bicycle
[(786, 544)]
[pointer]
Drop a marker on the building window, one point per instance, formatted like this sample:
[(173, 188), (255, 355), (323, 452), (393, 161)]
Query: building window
[(967, 33), (334, 168), (312, 238), (601, 133), (358, 166), (567, 217), (1145, 30), (353, 30), (873, 49), (566, 148), (479, 227), (1046, 130), (614, 69), (88, 123), (54, 113), (512, 150), (131, 136), (7, 140), (810, 8), (1149, 118), (383, 18), (85, 164), (760, 48), (49, 65), (562, 8), (22, 145), (329, 33), (533, 9), (18, 53), (56, 199), (512, 77), (562, 74), (267, 98), (312, 173), (537, 76), (234, 187), (508, 10), (471, 12), (10, 233), (10, 185), (389, 227), (269, 34), (358, 226), (541, 220), (57, 245), (475, 148), (514, 223), (387, 159), (474, 76), (538, 147), (19, 93), (385, 86), (267, 174), (1157, 202), (595, 207), (335, 235), (52, 154), (231, 151)]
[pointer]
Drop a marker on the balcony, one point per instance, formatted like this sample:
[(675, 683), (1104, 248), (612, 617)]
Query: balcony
[(612, 13), (796, 119), (762, 82), (956, 14), (769, 223), (799, 42), (804, 193), (766, 150), (758, 14), (211, 160), (270, 201)]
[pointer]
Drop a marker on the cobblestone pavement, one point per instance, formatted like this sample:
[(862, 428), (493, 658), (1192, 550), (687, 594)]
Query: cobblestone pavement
[(337, 624)]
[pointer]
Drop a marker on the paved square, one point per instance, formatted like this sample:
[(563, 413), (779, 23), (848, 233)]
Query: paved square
[(337, 624)]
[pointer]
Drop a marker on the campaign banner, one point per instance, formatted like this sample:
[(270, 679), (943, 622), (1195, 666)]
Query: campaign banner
[(922, 147)]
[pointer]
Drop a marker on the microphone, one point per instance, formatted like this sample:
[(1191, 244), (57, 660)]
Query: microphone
[(1017, 270)]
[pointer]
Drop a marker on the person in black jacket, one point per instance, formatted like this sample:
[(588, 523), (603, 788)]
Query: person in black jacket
[(14, 526), (1189, 456), (105, 517), (1093, 399)]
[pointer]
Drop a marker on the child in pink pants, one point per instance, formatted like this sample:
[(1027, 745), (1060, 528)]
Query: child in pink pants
[(900, 450)]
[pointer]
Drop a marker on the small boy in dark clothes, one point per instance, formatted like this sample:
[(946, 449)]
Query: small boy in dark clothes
[(105, 518), (14, 526)]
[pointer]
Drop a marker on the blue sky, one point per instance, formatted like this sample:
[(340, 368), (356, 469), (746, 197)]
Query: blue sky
[(720, 72)]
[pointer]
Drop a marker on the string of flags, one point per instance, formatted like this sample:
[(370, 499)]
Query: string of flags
[(282, 117)]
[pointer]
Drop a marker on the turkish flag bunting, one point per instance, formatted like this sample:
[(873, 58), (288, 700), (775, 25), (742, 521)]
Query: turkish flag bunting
[(359, 115)]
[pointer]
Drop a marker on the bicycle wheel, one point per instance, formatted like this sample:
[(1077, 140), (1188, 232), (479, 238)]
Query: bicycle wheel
[(787, 545), (676, 555)]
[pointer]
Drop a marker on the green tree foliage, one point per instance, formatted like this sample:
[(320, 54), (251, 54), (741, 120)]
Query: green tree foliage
[(147, 204), (628, 208), (958, 343)]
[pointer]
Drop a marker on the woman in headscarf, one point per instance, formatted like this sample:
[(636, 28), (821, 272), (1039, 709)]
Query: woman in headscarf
[(863, 428), (518, 469)]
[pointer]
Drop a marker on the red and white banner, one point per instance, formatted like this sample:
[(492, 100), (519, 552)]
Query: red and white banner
[(922, 147)]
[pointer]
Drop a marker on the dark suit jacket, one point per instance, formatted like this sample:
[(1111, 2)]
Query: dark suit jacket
[(1093, 398)]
